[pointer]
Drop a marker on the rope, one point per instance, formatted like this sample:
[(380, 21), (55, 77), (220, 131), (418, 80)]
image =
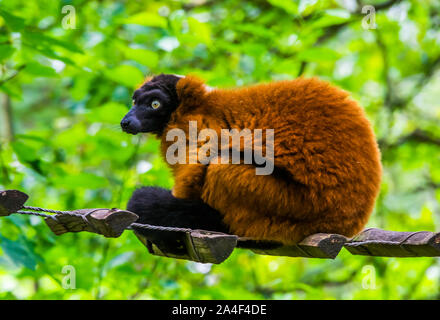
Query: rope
[(409, 236), (160, 228), (84, 217), (46, 210), (35, 214)]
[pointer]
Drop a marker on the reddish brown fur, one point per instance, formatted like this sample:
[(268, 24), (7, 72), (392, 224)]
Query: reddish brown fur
[(328, 163)]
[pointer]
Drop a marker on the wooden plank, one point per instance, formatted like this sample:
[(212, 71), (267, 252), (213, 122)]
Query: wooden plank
[(320, 245), (11, 201), (212, 247), (108, 222), (383, 243), (171, 244), (195, 245)]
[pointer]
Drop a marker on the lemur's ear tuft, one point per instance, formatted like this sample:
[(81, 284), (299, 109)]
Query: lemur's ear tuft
[(190, 91), (147, 79)]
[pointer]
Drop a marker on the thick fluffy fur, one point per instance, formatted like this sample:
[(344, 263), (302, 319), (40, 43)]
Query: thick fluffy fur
[(327, 163), (154, 205)]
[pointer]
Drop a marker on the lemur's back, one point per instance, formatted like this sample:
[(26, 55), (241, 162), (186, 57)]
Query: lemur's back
[(321, 135)]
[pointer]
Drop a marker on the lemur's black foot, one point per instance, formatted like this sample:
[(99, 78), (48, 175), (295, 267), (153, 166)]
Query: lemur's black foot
[(157, 206)]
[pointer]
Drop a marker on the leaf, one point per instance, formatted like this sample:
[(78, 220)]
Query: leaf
[(83, 180), (19, 252), (125, 74), (12, 89), (47, 46), (331, 17), (148, 19), (39, 70), (200, 30), (288, 6), (257, 30), (40, 39), (146, 57), (51, 54), (319, 54), (14, 22), (81, 86), (6, 51), (24, 152), (120, 259), (306, 5), (31, 137), (287, 66), (111, 112)]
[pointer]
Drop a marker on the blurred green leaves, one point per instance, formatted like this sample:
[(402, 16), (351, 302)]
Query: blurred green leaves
[(14, 22), (318, 55), (6, 51), (147, 19), (127, 75), (20, 252), (36, 69), (67, 89), (143, 56)]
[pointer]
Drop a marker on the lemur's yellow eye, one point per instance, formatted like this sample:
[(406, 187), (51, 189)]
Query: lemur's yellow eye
[(155, 104)]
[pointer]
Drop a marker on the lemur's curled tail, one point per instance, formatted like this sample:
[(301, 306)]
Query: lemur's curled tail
[(157, 206)]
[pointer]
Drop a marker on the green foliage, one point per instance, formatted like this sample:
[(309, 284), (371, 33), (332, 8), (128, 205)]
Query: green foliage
[(64, 91)]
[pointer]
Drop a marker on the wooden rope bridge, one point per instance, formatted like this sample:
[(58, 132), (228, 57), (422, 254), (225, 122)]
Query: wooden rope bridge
[(215, 247)]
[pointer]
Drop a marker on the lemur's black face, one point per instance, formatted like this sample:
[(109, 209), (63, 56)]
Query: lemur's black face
[(153, 104)]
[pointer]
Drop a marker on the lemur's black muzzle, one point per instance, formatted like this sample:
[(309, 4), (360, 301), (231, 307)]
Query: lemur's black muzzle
[(130, 123)]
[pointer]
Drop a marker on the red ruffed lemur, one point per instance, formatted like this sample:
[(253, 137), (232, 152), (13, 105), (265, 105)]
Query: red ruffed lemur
[(326, 163)]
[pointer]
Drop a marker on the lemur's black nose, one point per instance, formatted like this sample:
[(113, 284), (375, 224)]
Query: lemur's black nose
[(125, 123)]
